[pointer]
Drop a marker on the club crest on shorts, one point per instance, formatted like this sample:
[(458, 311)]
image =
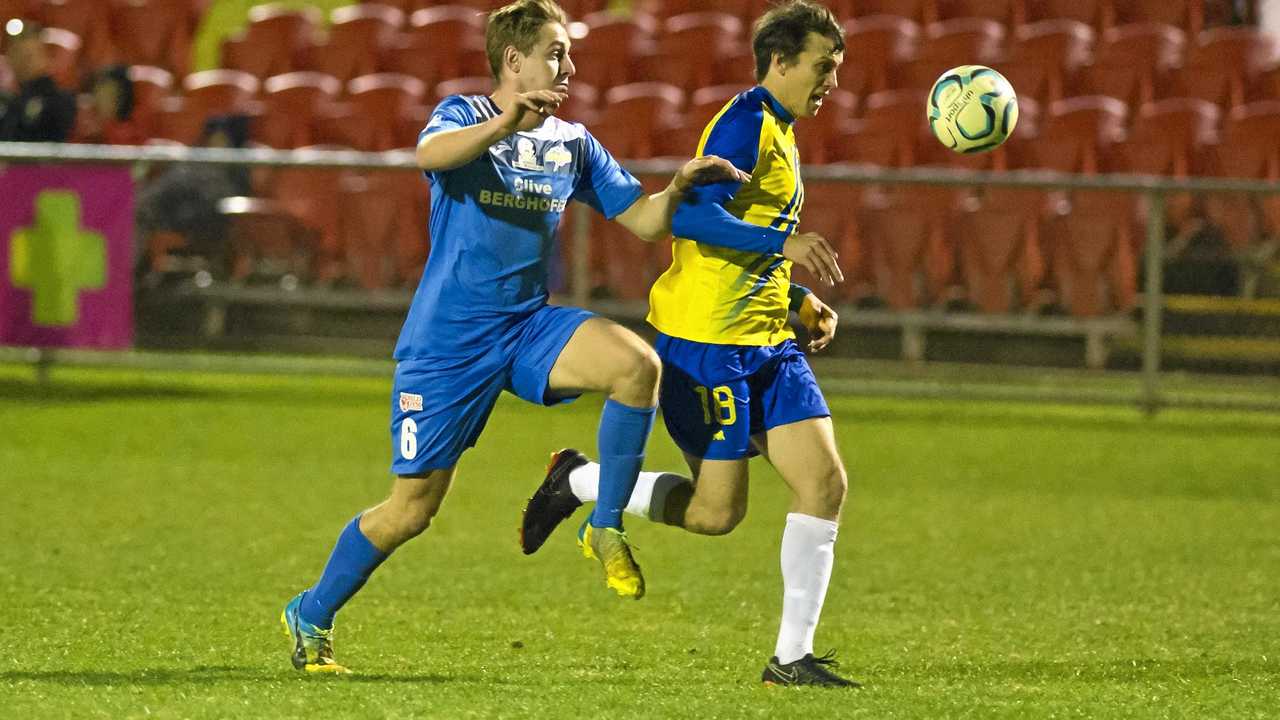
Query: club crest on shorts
[(409, 402)]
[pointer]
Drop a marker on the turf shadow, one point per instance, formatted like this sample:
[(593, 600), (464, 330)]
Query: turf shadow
[(59, 394), (915, 413), (199, 675), (1137, 670), (211, 675)]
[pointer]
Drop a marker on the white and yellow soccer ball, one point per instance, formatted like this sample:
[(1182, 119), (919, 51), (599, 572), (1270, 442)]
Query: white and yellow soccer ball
[(972, 109)]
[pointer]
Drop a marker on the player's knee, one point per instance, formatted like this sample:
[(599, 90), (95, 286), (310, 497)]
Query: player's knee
[(638, 374), (414, 518), (834, 490), (722, 520)]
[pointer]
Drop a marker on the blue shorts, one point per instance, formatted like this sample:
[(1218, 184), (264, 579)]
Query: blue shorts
[(715, 397), (439, 406)]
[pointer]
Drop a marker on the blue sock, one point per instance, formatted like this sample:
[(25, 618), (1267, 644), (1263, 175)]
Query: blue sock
[(353, 560), (623, 433)]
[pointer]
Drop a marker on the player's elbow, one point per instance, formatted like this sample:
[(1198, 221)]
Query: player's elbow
[(426, 157)]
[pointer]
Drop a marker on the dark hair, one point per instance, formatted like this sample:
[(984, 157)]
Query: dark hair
[(518, 24), (118, 74), (235, 126), (784, 29)]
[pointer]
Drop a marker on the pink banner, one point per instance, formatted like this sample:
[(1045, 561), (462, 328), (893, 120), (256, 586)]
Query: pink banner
[(66, 256)]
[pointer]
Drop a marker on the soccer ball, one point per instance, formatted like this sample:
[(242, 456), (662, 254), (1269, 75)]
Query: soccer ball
[(972, 109)]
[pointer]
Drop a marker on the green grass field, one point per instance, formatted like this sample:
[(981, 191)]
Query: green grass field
[(1008, 561)]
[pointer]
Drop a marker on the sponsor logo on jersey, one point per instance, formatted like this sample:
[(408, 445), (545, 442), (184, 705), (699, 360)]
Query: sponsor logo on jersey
[(410, 402), (526, 185), (526, 156), (522, 202), (558, 158)]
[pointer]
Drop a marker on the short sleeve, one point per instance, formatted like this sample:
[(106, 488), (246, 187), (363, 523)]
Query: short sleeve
[(452, 113), (605, 185), (736, 138)]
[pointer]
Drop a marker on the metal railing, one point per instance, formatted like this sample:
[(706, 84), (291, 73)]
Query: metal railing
[(1154, 188)]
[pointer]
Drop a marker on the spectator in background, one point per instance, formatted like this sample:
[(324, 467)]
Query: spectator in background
[(41, 111), (184, 200), (110, 118)]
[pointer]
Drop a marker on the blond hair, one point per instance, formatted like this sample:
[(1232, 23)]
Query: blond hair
[(517, 25)]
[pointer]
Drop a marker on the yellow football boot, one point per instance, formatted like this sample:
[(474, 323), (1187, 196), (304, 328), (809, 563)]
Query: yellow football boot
[(611, 547)]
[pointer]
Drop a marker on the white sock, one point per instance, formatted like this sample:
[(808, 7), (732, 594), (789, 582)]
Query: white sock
[(808, 551), (648, 499), (584, 481)]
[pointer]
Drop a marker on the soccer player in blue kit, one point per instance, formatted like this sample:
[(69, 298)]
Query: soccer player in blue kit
[(502, 171), (734, 384)]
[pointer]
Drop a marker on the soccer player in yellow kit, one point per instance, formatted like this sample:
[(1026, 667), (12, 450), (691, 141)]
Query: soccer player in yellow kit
[(734, 383)]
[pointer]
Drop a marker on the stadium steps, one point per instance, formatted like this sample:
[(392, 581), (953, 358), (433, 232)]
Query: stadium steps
[(1214, 334)]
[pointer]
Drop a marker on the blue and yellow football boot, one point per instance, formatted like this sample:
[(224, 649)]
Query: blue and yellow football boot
[(312, 646), (611, 547)]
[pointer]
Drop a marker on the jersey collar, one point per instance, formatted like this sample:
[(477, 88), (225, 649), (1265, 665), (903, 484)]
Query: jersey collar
[(767, 97)]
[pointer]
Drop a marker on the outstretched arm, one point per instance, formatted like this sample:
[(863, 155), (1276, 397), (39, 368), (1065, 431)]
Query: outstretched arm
[(448, 149), (650, 216)]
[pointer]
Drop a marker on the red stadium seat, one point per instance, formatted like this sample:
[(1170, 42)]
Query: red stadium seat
[(695, 49), (948, 43), (998, 237), (383, 107), (1078, 133), (314, 196), (581, 107), (1171, 137), (1099, 14), (745, 10), (1224, 63), (1168, 134), (155, 32), (1093, 263), (432, 61), (91, 21), (1045, 54), (624, 267), (635, 114), (1132, 61), (358, 35), (1248, 150), (475, 85), (1185, 14), (920, 11), (273, 40), (23, 9), (220, 91), (891, 127), (705, 102), (874, 45), (1267, 86), (441, 43), (387, 212), (612, 45), (826, 211), (63, 49), (292, 102), (1007, 12), (267, 243), (151, 85), (912, 254)]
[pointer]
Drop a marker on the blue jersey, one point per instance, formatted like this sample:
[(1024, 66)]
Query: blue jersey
[(493, 227)]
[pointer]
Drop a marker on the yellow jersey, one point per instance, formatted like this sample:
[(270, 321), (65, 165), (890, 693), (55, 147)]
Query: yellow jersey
[(728, 280)]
